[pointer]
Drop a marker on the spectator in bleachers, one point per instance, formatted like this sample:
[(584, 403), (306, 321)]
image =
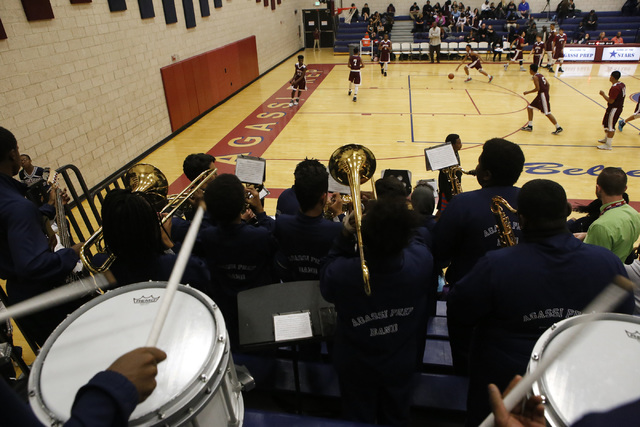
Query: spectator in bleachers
[(500, 12), (591, 21), (366, 12), (474, 18), (482, 33), (440, 20), (511, 7), (427, 9), (391, 10), (618, 38), (562, 11), (579, 33), (523, 9), (572, 9), (585, 39), (485, 10), (512, 21), (531, 33), (496, 48), (437, 8), (602, 37), (461, 22), (414, 11)]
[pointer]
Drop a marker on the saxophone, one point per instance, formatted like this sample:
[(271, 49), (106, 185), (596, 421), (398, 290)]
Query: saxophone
[(456, 186), (506, 234)]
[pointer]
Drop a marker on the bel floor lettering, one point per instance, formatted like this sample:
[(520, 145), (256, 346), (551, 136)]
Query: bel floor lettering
[(551, 168)]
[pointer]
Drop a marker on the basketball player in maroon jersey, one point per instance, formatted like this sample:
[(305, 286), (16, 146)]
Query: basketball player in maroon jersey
[(615, 101), (475, 63), (385, 54), (298, 81), (548, 46), (355, 65), (558, 49), (541, 101), (538, 50), (519, 43)]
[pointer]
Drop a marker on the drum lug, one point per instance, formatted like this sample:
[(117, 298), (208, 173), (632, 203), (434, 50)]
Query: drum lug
[(32, 393), (207, 390), (221, 338), (203, 378), (554, 326), (535, 356), (161, 415)]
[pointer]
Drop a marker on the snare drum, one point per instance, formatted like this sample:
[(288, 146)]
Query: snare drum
[(197, 383), (596, 374)]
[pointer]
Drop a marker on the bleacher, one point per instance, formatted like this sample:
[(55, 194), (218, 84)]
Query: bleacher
[(610, 22)]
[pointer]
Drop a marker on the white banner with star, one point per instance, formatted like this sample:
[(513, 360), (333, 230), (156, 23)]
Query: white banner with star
[(619, 53)]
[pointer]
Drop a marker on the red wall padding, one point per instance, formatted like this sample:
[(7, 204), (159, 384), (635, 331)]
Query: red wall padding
[(194, 85)]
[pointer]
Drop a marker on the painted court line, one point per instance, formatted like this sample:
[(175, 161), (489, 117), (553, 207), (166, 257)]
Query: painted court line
[(474, 104)]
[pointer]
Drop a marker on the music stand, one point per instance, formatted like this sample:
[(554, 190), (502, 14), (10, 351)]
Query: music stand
[(259, 307)]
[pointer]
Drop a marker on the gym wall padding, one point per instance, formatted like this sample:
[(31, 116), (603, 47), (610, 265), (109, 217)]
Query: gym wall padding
[(169, 7), (196, 84), (189, 13)]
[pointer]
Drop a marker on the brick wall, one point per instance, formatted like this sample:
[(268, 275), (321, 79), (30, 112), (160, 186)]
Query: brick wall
[(85, 88)]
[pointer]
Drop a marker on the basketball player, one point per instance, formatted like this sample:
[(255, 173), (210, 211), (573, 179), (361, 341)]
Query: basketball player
[(298, 81), (558, 48), (615, 101), (475, 63), (519, 43), (385, 54), (634, 116), (538, 50), (548, 46), (355, 65), (541, 101)]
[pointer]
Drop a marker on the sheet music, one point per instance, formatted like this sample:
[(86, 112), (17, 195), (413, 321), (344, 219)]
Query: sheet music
[(336, 187), (250, 170), (440, 156), (292, 326)]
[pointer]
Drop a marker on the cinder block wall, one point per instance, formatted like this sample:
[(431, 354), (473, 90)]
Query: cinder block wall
[(85, 87)]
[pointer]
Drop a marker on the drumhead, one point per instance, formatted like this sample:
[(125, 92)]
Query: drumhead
[(595, 374), (89, 340)]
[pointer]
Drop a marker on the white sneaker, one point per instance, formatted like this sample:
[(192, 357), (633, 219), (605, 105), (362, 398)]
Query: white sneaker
[(291, 104), (468, 79), (522, 69), (295, 102), (604, 147)]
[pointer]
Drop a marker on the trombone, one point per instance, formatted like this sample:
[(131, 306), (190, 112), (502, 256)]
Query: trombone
[(353, 165), (149, 180)]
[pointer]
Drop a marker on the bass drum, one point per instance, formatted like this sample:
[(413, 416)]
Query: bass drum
[(197, 383), (596, 374)]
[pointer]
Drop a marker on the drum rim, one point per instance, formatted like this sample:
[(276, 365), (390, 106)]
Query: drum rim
[(553, 416), (209, 367)]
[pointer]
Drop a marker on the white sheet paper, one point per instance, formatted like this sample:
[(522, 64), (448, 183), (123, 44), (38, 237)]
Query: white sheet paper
[(440, 156), (336, 187), (250, 171), (293, 326)]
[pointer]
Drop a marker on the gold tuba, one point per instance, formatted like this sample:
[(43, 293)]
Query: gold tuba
[(147, 179), (353, 165), (505, 232)]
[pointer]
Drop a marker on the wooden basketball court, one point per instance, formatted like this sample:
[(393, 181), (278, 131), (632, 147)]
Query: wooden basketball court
[(415, 107)]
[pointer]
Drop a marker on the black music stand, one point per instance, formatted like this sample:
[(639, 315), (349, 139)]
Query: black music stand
[(257, 308)]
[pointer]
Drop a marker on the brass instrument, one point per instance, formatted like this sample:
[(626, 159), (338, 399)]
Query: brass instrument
[(456, 185), (506, 234), (354, 165), (347, 205), (149, 180)]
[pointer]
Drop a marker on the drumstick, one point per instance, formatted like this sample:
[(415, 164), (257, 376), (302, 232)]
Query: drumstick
[(606, 301), (176, 276), (58, 296)]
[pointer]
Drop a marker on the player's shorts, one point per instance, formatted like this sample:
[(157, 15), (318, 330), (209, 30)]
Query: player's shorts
[(636, 112), (354, 77), (537, 59), (301, 85), (558, 54), (517, 56), (385, 56), (475, 64), (541, 102), (610, 118)]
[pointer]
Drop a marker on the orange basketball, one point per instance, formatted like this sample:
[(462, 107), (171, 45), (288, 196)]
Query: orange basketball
[(451, 76)]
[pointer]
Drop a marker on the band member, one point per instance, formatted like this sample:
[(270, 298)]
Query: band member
[(558, 48), (445, 186), (541, 101), (239, 256), (519, 44), (467, 228), (298, 81), (133, 233), (306, 237), (548, 46), (475, 63), (355, 65), (378, 337), (26, 260), (615, 101), (558, 276), (537, 51), (385, 54)]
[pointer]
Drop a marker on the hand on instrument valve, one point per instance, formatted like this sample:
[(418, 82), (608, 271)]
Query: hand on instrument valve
[(248, 215), (166, 233), (349, 224), (53, 194), (253, 199), (140, 366), (531, 414), (335, 204)]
